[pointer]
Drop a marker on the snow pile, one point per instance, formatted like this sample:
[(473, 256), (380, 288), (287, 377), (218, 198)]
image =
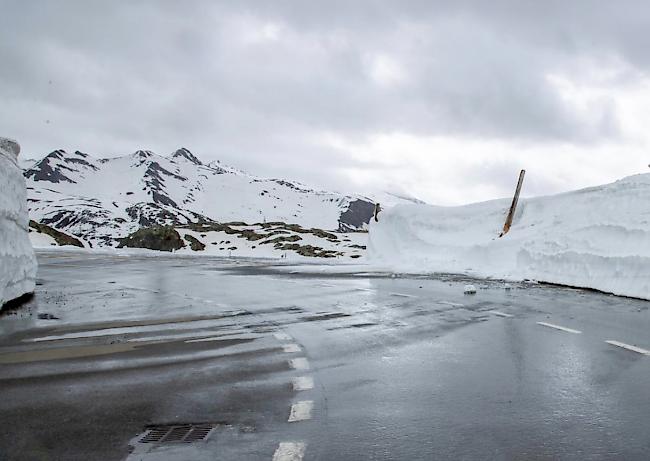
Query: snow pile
[(594, 238), (17, 261)]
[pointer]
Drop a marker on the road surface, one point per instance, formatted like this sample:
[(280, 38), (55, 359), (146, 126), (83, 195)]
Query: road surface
[(179, 358)]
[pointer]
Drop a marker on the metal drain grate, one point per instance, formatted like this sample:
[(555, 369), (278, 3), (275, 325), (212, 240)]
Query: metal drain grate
[(185, 433)]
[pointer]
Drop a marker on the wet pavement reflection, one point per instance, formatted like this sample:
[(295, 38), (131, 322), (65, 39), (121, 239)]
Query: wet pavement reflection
[(341, 364)]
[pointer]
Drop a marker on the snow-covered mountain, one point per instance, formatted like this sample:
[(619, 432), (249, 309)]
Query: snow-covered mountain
[(100, 200)]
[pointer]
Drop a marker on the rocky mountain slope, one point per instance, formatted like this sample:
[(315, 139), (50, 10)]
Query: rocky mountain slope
[(103, 200)]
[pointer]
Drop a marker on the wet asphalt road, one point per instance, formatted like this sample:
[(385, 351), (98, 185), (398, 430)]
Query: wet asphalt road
[(375, 367)]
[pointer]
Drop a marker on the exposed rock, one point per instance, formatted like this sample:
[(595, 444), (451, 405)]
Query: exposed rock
[(195, 244), (59, 237), (47, 316), (46, 170), (358, 213), (186, 154), (279, 240), (163, 238)]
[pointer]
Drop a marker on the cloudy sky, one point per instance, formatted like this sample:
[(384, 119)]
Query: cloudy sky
[(442, 100)]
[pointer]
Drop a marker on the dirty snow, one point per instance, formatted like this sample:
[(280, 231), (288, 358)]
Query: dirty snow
[(17, 260), (594, 238)]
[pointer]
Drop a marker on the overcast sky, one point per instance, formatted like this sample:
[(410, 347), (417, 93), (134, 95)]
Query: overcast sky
[(444, 100)]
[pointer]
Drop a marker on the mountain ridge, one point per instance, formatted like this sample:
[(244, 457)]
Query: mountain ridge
[(104, 199)]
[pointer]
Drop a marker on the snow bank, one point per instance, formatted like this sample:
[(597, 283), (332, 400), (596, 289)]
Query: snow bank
[(17, 260), (594, 238)]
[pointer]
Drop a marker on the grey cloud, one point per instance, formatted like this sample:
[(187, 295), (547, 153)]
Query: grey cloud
[(116, 76)]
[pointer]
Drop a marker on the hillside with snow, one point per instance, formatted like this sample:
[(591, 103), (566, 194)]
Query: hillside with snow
[(102, 200), (596, 238)]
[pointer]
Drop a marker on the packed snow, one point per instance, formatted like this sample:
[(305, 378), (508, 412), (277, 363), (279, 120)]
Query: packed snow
[(596, 238), (17, 260), (40, 240)]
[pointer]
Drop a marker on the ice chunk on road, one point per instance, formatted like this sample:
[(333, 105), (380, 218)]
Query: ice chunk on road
[(469, 290)]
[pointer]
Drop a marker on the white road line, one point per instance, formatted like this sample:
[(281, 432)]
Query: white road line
[(629, 347), (403, 295), (363, 289), (290, 451), (301, 411), (502, 314), (188, 336), (291, 348), (216, 338), (327, 285), (449, 303), (558, 327), (202, 340), (282, 336), (113, 331), (303, 383), (300, 363)]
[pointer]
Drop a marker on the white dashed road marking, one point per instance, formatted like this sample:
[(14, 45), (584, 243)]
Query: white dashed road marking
[(301, 411), (629, 347), (217, 338), (290, 451), (558, 327), (502, 314), (113, 331), (282, 336), (290, 348), (449, 303), (300, 363), (303, 383), (403, 295)]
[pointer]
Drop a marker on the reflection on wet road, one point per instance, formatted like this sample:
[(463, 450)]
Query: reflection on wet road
[(174, 358)]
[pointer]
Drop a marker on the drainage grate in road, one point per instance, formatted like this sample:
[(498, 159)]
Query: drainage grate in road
[(185, 433)]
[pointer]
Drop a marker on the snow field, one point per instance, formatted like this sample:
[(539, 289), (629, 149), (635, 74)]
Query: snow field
[(40, 240), (219, 243)]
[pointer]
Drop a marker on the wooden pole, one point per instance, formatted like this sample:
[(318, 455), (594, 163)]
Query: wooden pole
[(513, 207)]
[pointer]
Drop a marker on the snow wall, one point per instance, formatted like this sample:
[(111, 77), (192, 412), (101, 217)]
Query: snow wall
[(17, 260), (592, 238)]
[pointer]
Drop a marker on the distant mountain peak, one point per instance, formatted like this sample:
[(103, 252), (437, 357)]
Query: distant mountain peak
[(49, 168), (143, 154), (187, 155), (58, 153)]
